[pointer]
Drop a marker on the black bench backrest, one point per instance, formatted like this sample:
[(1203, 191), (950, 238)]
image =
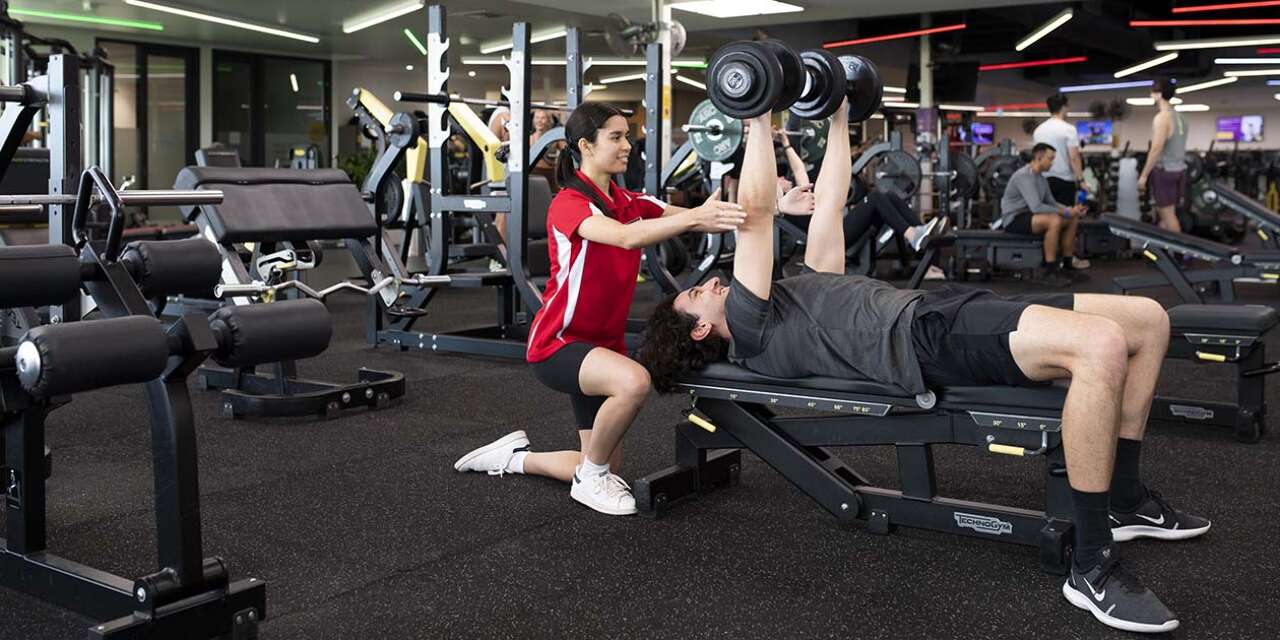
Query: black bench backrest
[(217, 156), (279, 205)]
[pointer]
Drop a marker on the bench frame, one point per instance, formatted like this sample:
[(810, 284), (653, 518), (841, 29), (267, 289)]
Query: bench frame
[(800, 448)]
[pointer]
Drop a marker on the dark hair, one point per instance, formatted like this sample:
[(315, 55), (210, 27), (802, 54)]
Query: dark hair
[(667, 350), (1166, 87), (1040, 148), (584, 122), (1057, 102)]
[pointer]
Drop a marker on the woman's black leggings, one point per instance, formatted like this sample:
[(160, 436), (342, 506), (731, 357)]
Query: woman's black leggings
[(878, 209)]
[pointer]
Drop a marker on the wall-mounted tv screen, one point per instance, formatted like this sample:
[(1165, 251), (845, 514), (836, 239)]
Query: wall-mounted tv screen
[(983, 132), (1094, 131), (1240, 128)]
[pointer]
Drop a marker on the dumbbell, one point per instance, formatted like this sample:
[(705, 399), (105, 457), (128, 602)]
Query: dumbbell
[(747, 79)]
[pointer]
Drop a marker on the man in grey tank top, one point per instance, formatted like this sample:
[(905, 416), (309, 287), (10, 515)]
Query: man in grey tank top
[(1166, 166)]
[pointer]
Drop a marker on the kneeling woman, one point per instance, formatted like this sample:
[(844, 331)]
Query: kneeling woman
[(596, 231)]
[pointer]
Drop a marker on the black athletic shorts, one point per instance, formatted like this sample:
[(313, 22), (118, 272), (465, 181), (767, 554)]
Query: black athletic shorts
[(1019, 224), (1064, 191), (961, 335), (560, 372)]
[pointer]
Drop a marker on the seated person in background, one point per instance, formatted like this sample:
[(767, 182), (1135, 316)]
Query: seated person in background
[(825, 323), (1028, 208)]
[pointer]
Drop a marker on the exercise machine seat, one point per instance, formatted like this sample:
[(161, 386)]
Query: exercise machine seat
[(279, 205), (996, 235), (1044, 397), (1249, 318), (1166, 239), (1245, 205)]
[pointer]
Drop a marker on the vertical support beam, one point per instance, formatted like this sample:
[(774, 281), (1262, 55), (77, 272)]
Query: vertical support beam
[(177, 482), (65, 157), (574, 68), (23, 481), (654, 128), (662, 17), (519, 67)]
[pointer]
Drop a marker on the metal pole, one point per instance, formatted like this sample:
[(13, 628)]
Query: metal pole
[(64, 159)]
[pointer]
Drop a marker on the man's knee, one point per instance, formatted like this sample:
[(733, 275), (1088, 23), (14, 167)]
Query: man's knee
[(1100, 353), (1153, 318)]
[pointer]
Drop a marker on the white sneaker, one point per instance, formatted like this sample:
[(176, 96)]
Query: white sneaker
[(922, 233), (493, 457), (934, 273), (607, 493), (1079, 263)]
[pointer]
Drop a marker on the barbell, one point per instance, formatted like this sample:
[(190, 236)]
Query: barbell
[(746, 79), (716, 137), (445, 99), (139, 198)]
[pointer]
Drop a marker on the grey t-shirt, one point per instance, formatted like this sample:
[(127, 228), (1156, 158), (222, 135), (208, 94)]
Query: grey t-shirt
[(826, 324), (1028, 192)]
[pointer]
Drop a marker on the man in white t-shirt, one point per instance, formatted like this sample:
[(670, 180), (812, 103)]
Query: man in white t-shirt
[(1067, 173)]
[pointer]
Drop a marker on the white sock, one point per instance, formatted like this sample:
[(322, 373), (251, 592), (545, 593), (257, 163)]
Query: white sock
[(590, 469), (516, 463)]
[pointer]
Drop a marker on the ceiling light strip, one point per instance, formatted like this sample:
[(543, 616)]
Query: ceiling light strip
[(379, 16), (1226, 6), (894, 36), (217, 19), (1045, 29), (88, 19), (1244, 22), (1143, 66), (1207, 85), (1218, 43), (1032, 63), (1104, 86)]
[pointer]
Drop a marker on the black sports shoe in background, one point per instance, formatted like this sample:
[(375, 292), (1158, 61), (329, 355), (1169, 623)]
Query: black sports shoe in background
[(1156, 519), (1116, 597)]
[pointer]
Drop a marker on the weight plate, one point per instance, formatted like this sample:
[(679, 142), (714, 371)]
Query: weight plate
[(716, 147), (792, 73), (857, 190), (898, 173), (821, 93), (965, 182), (998, 173), (744, 79), (811, 146), (863, 87), (391, 200)]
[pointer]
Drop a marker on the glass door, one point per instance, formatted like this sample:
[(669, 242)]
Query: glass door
[(157, 110), (274, 110)]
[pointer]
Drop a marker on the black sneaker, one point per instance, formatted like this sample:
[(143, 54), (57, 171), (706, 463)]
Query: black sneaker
[(1156, 519), (1055, 278), (1116, 597)]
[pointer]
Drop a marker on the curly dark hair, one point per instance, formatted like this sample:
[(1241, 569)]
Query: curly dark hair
[(668, 352)]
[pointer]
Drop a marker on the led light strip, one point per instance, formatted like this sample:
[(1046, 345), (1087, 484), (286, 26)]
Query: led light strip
[(1057, 21), (1032, 63), (230, 22), (1248, 41), (1227, 6), (1205, 23), (379, 16), (1206, 85), (1143, 66), (541, 35), (1253, 72), (73, 17), (623, 78), (415, 41), (687, 63), (1133, 84), (691, 82), (894, 36)]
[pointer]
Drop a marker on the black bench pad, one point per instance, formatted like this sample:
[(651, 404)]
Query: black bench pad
[(729, 375), (1249, 318), (279, 205), (995, 235)]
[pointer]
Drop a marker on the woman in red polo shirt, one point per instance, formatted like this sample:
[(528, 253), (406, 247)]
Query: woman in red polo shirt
[(596, 231)]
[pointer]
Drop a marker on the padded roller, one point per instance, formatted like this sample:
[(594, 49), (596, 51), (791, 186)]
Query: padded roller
[(262, 333), (37, 275), (67, 358), (170, 267)]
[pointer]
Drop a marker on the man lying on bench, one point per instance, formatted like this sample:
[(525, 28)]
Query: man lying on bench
[(825, 323)]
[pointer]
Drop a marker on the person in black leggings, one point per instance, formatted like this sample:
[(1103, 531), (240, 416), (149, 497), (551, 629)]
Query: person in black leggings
[(881, 209)]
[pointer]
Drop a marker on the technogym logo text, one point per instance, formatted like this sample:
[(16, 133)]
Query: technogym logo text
[(983, 524)]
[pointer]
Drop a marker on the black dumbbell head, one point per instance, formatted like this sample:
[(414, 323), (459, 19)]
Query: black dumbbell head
[(792, 73), (744, 79), (821, 91), (863, 86)]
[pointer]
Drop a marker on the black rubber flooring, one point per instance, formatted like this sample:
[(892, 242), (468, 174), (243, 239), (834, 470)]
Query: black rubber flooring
[(362, 529)]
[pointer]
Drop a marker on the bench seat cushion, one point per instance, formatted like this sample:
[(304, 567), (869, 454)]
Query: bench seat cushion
[(1250, 319)]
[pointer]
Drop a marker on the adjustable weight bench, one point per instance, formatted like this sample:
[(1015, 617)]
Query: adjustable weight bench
[(739, 405), (1209, 333), (268, 228), (1230, 264), (978, 252), (1266, 221)]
